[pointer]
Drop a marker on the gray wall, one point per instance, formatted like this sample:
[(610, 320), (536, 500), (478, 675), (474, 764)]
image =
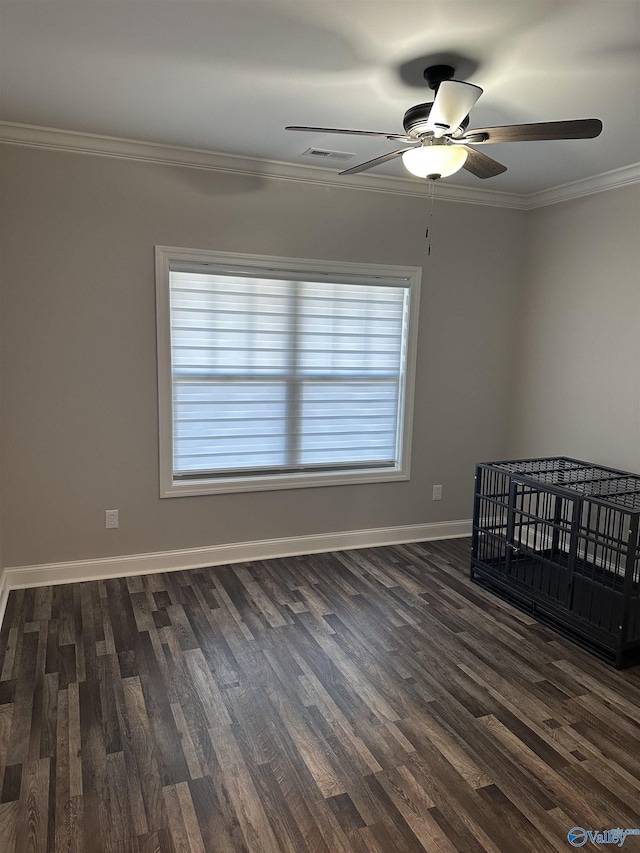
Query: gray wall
[(79, 418), (576, 383)]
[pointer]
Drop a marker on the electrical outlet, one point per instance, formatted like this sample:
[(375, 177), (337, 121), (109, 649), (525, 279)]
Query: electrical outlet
[(437, 493), (111, 518)]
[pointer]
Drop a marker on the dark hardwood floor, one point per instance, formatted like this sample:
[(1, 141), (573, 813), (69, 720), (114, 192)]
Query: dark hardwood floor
[(370, 700)]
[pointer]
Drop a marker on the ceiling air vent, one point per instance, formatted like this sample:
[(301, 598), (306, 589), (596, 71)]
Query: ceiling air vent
[(323, 154)]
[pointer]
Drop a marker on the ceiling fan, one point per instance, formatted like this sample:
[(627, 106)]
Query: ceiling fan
[(438, 137)]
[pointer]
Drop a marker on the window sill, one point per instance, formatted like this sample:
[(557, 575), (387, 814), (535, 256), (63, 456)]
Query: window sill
[(279, 482)]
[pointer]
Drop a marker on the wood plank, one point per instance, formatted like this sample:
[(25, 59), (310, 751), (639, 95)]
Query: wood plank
[(6, 714), (145, 754), (257, 830), (217, 821), (190, 820), (33, 808), (8, 821)]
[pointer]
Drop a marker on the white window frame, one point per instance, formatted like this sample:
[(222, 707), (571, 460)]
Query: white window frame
[(409, 277)]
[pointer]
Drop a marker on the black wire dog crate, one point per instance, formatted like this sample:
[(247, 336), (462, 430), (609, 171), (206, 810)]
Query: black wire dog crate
[(559, 538)]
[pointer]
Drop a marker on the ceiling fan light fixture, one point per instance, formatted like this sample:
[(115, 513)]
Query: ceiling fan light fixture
[(434, 160)]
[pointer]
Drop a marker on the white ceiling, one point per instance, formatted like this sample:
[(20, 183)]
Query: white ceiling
[(228, 75)]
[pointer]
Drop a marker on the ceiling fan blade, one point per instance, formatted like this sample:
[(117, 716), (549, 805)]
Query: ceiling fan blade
[(452, 105), (401, 137), (582, 128), (361, 167), (482, 166)]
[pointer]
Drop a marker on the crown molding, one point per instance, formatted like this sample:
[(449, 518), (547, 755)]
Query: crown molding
[(611, 180), (32, 136)]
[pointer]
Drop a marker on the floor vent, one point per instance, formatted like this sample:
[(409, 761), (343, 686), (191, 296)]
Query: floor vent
[(323, 154)]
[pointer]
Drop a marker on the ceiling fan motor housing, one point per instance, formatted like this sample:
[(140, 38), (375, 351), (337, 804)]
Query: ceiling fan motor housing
[(415, 118)]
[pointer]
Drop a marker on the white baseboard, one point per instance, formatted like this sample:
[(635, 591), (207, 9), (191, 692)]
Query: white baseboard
[(4, 594), (20, 577)]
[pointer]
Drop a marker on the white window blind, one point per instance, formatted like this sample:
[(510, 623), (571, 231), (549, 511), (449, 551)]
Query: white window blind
[(282, 373), (276, 374)]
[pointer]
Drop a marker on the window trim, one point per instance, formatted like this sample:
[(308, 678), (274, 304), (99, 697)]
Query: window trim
[(334, 270)]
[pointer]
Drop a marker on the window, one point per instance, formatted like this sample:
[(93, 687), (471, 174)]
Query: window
[(277, 373)]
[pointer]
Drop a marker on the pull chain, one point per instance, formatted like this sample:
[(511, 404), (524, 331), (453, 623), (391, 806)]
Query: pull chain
[(430, 196)]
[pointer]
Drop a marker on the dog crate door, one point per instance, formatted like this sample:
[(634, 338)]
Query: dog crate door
[(542, 541)]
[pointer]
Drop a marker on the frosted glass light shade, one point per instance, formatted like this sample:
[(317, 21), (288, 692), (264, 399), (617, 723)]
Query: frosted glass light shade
[(434, 160)]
